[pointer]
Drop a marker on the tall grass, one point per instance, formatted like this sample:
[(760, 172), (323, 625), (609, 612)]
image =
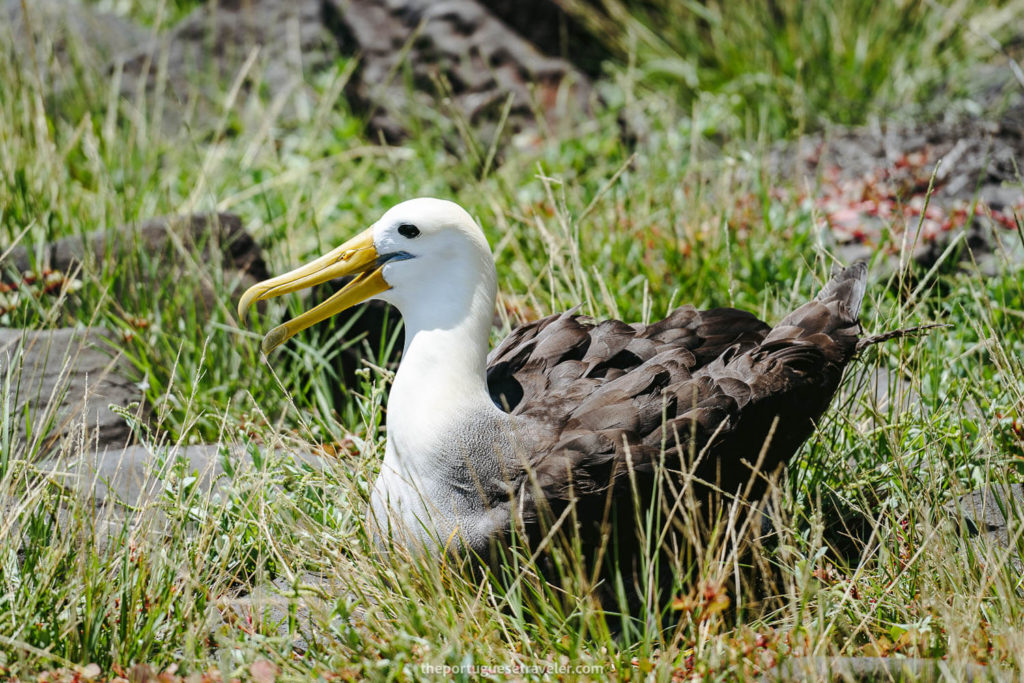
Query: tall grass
[(579, 219), (785, 66)]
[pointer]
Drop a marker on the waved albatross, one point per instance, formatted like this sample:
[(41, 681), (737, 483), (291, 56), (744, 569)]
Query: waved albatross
[(565, 409)]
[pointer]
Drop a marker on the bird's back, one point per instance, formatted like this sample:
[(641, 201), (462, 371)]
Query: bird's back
[(717, 393)]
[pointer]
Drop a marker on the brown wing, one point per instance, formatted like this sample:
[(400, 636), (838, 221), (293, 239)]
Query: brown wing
[(714, 384), (591, 387)]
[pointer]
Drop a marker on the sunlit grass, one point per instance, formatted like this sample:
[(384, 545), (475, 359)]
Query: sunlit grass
[(778, 68), (583, 219)]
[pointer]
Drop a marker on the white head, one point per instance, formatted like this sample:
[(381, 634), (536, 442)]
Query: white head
[(426, 256), (442, 262)]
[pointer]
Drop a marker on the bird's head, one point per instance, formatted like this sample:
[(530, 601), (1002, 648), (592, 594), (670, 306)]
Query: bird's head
[(422, 254)]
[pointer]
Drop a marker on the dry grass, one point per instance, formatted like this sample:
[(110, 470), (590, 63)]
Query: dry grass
[(578, 219)]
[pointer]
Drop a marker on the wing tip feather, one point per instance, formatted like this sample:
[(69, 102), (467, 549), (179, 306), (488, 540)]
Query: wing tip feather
[(848, 286)]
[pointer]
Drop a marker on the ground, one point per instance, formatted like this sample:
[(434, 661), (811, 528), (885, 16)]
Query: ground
[(702, 174)]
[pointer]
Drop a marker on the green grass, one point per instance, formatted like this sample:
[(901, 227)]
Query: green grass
[(154, 14), (787, 66), (579, 219)]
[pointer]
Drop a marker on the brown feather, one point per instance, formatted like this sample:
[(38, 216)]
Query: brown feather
[(698, 382)]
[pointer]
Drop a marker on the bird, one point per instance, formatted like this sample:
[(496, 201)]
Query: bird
[(569, 421)]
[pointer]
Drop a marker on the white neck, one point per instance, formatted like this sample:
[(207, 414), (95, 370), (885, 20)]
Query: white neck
[(437, 402), (443, 366), (441, 382)]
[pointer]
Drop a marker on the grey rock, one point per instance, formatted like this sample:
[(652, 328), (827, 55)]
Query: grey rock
[(196, 61), (995, 513), (61, 384), (556, 31), (453, 64), (297, 607), (177, 235), (458, 51), (60, 36), (136, 476), (63, 381), (972, 159), (124, 489), (995, 89), (971, 155), (879, 669), (882, 390)]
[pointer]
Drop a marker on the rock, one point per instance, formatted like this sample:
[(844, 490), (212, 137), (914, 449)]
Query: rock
[(459, 50), (175, 241), (994, 88), (453, 64), (552, 30), (151, 236), (136, 475), (125, 485), (994, 513), (63, 383), (882, 390), (872, 188), (201, 56), (282, 607), (878, 669), (66, 379), (60, 36)]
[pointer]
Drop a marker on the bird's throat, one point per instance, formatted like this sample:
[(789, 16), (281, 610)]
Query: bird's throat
[(441, 377), (441, 382)]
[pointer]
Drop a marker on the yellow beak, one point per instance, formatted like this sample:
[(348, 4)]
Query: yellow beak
[(356, 257)]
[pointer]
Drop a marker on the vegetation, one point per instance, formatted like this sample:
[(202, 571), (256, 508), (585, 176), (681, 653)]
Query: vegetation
[(686, 215)]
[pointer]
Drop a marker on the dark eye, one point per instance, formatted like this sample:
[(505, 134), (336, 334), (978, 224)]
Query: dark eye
[(408, 230)]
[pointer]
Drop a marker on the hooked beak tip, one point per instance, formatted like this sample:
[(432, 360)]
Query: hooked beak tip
[(250, 297), (358, 257)]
